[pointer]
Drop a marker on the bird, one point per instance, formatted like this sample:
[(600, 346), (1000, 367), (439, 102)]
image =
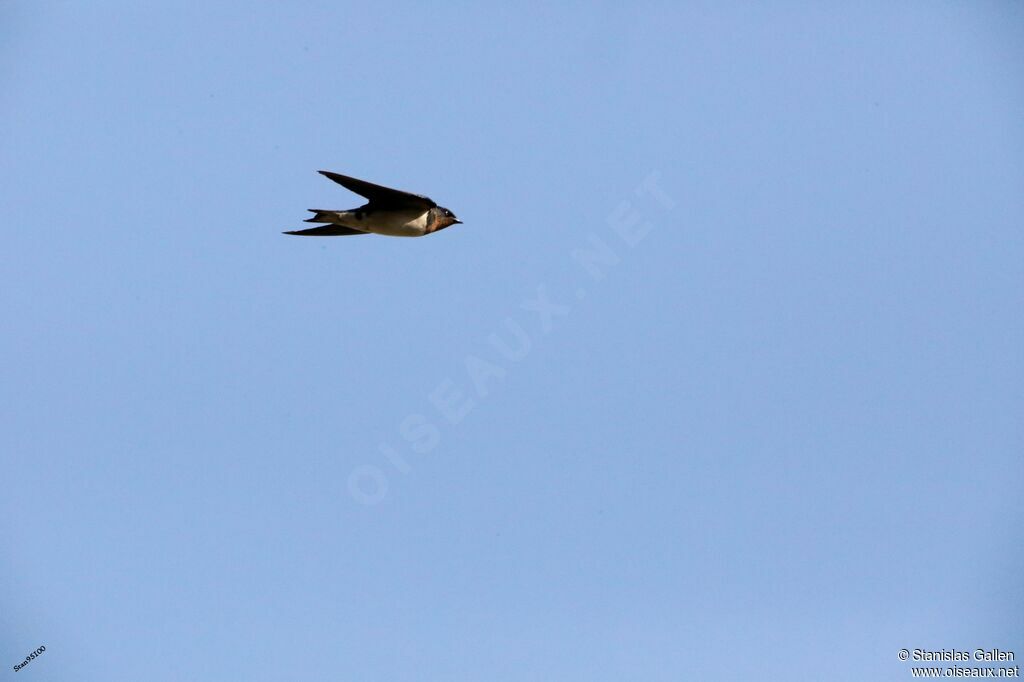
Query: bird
[(389, 212)]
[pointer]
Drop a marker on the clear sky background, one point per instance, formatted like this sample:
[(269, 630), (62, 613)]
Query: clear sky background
[(779, 436)]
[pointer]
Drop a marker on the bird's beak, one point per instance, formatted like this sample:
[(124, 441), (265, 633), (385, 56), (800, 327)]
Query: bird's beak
[(457, 222)]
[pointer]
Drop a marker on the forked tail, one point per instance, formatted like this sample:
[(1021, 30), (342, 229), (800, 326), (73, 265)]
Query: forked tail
[(323, 216)]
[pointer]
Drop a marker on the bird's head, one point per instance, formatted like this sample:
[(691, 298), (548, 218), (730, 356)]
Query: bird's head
[(446, 218)]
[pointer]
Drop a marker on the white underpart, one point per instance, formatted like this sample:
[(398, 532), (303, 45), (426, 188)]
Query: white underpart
[(408, 223)]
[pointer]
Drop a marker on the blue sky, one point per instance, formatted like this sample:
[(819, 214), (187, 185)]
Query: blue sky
[(772, 431)]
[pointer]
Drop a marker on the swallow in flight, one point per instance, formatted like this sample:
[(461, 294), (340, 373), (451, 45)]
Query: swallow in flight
[(390, 212)]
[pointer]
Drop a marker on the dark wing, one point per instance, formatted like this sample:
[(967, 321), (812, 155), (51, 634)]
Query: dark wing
[(327, 231), (384, 197)]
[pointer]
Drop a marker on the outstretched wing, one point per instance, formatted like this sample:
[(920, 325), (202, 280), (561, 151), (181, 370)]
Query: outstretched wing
[(326, 231), (384, 197)]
